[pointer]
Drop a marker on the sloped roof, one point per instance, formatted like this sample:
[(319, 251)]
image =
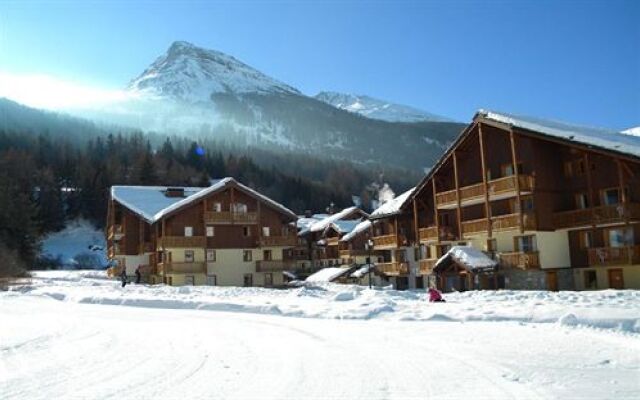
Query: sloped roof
[(151, 203), (603, 139), (324, 223), (392, 206), (327, 274), (606, 139), (361, 227), (468, 257)]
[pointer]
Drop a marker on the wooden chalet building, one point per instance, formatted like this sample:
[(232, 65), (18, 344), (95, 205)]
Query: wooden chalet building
[(394, 241), (226, 234), (558, 206)]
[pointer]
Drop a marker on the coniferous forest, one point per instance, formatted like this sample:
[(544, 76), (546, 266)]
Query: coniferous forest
[(49, 177)]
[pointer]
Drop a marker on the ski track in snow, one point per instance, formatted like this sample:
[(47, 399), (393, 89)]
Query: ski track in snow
[(53, 349)]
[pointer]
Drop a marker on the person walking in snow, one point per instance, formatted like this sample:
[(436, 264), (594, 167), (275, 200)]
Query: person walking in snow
[(123, 276), (435, 296), (138, 275)]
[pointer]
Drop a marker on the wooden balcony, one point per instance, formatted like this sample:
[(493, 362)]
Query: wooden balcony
[(182, 241), (521, 260), (475, 226), (614, 255), (116, 232), (278, 241), (275, 265), (182, 268), (596, 215), (114, 250), (393, 268), (499, 223), (385, 242), (353, 252), (428, 234), (228, 217), (501, 188), (426, 266)]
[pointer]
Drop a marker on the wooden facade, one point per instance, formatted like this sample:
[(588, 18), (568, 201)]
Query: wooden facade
[(230, 236)]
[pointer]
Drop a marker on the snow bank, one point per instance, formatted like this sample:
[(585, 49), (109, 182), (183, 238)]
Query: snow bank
[(606, 309)]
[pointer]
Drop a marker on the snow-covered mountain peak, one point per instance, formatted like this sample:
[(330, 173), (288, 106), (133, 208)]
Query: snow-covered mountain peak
[(190, 73), (632, 131), (371, 107)]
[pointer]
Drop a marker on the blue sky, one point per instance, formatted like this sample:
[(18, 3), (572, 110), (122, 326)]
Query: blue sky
[(577, 61)]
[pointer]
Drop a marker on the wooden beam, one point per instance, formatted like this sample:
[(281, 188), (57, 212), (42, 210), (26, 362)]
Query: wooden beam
[(623, 194), (164, 252), (457, 183), (514, 160), (395, 221), (592, 204), (487, 207), (416, 226), (140, 236), (435, 209)]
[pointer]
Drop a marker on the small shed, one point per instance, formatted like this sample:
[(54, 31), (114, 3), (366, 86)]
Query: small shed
[(463, 268)]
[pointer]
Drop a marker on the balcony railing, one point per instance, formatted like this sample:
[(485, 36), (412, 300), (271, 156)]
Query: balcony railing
[(614, 255), (500, 186), (596, 215), (393, 268), (428, 234), (512, 221), (426, 266), (385, 242), (333, 241), (116, 232), (275, 265), (475, 226), (275, 241), (228, 217), (182, 241), (521, 260), (182, 268), (353, 252)]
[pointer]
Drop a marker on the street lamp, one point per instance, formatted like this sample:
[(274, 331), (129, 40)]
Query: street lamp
[(369, 246)]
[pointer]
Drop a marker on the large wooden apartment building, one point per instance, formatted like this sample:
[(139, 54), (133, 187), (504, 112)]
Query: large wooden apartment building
[(226, 234), (558, 206)]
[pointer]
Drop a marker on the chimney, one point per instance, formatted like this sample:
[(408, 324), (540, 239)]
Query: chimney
[(174, 192)]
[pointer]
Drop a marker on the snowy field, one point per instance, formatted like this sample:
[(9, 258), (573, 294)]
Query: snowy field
[(70, 335)]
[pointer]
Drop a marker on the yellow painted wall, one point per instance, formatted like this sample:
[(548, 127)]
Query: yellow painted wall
[(631, 276), (554, 249)]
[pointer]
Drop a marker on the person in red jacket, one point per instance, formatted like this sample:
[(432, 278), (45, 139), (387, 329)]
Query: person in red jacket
[(435, 296)]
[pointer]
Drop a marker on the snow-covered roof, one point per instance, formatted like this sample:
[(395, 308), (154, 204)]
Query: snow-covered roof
[(392, 206), (607, 139), (324, 223), (361, 227), (304, 223), (467, 256), (360, 272), (327, 274), (344, 226), (151, 203)]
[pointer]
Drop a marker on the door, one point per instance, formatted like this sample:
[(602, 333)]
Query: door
[(552, 281), (189, 280), (616, 280)]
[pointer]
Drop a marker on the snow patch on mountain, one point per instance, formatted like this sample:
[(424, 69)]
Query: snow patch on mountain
[(632, 131), (190, 73), (371, 107)]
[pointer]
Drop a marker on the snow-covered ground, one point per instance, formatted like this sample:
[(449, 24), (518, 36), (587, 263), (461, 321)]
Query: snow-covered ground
[(74, 334), (79, 243)]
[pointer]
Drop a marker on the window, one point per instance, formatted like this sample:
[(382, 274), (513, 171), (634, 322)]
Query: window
[(239, 208), (401, 256), (619, 237), (525, 244), (188, 230), (188, 256), (590, 280), (189, 280), (246, 231), (416, 253), (211, 231), (247, 280), (568, 169), (586, 239), (527, 203), (582, 201), (211, 255), (580, 168), (212, 280), (507, 169), (610, 197), (246, 255), (217, 207), (265, 231), (266, 255), (285, 231), (268, 279)]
